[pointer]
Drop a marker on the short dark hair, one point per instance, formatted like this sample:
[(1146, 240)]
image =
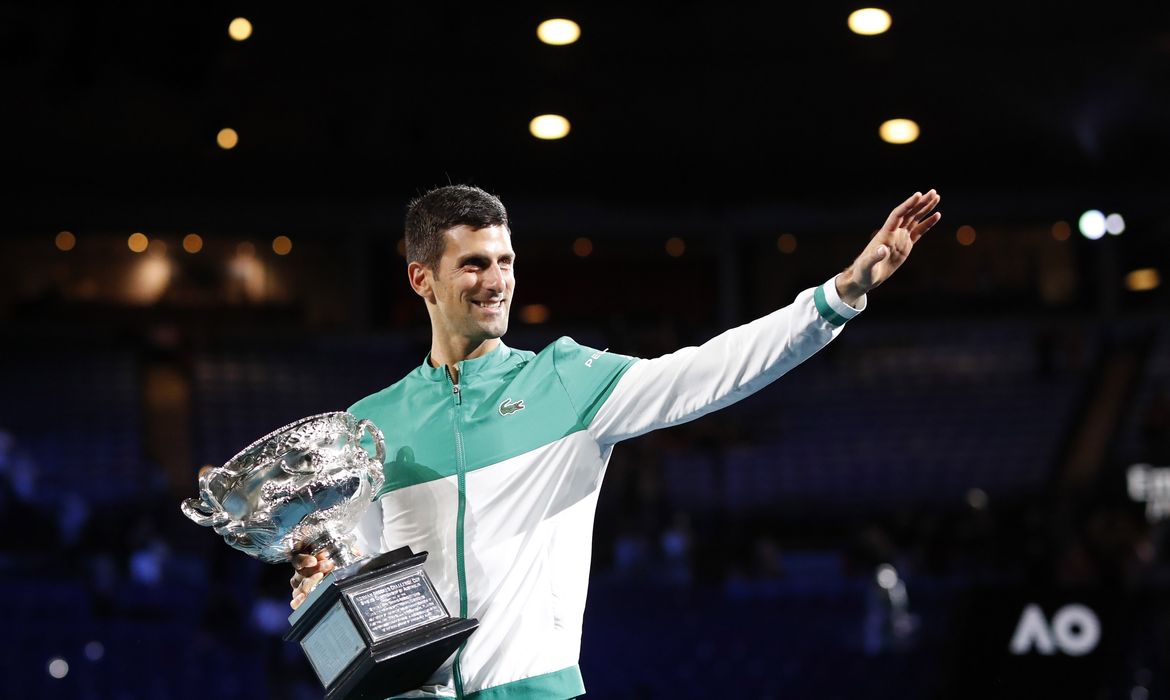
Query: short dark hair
[(428, 217)]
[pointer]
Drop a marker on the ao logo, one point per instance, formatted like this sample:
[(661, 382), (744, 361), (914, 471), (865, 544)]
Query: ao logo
[(1075, 631)]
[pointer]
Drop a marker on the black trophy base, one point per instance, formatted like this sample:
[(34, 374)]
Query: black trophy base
[(377, 628)]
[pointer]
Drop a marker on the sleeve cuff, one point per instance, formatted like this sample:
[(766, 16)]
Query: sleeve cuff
[(830, 306)]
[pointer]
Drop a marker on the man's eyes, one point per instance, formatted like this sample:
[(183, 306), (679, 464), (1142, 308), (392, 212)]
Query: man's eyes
[(480, 264)]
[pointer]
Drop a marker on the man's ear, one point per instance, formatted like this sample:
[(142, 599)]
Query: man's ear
[(421, 277)]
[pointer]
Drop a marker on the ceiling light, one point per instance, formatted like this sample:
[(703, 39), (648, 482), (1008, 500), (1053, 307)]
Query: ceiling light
[(137, 242), (898, 131), (65, 241), (549, 127), (1142, 280), (1092, 224), (558, 32), (869, 21), (1114, 225), (240, 29), (227, 139)]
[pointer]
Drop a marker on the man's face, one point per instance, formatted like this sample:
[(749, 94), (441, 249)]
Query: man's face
[(474, 282)]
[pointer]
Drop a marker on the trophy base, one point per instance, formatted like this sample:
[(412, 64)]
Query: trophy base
[(376, 628)]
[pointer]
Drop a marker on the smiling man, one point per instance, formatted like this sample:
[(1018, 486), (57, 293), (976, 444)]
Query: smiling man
[(501, 452)]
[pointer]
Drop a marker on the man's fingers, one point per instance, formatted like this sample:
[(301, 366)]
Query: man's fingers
[(923, 226), (921, 208), (897, 216), (303, 586), (927, 205)]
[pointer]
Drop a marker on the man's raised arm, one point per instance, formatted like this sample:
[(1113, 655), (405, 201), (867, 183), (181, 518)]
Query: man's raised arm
[(694, 381)]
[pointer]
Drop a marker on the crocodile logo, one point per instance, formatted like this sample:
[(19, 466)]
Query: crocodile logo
[(508, 407)]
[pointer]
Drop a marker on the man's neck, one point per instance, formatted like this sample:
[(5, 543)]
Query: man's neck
[(449, 352)]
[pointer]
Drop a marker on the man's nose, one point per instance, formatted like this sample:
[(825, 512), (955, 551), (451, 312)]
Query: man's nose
[(493, 278)]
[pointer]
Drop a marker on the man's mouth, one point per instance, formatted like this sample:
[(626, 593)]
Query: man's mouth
[(496, 304)]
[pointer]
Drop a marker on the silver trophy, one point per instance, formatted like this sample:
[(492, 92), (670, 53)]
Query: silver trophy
[(374, 626)]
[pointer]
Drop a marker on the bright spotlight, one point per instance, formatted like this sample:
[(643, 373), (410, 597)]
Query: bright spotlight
[(549, 127), (137, 242), (558, 32), (899, 131), (227, 139), (1114, 225), (192, 243), (1092, 224), (887, 576), (240, 29), (58, 667), (869, 21)]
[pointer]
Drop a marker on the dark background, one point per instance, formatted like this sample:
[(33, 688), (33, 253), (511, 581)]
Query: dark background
[(972, 430)]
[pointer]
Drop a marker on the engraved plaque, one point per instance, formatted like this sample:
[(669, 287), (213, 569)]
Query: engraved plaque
[(332, 644), (390, 607)]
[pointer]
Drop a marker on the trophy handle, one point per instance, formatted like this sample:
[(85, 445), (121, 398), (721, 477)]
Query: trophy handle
[(199, 512), (379, 440)]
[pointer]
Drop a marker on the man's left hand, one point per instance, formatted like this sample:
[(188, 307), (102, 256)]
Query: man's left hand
[(890, 247)]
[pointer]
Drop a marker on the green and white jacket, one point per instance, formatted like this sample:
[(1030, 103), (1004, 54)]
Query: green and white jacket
[(497, 478)]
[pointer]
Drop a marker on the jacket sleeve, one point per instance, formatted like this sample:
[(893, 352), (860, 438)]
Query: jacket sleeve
[(587, 375), (695, 381)]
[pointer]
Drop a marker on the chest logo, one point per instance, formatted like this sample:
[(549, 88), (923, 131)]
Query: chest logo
[(508, 407)]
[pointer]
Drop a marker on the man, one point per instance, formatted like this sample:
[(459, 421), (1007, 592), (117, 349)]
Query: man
[(500, 453)]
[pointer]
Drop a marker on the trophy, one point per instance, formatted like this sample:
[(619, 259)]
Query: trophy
[(374, 626)]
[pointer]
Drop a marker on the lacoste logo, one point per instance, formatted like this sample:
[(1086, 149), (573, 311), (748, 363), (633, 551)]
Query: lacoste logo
[(594, 356), (508, 407)]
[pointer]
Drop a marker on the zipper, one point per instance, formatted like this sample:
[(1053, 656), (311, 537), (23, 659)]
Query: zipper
[(461, 571)]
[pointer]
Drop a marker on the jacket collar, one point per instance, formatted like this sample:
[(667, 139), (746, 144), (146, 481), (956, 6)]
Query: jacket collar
[(467, 368)]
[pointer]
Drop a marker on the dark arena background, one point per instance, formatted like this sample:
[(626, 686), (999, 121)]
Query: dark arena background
[(963, 496)]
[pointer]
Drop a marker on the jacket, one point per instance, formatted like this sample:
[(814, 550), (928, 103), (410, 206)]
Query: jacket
[(497, 478)]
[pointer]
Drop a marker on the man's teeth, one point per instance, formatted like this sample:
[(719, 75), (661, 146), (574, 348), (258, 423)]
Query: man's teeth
[(489, 304)]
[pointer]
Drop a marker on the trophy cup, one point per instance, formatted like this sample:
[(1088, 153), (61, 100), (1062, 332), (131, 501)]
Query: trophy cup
[(373, 627)]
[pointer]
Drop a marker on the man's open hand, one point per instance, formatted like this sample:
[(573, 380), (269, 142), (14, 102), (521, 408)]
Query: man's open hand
[(890, 246)]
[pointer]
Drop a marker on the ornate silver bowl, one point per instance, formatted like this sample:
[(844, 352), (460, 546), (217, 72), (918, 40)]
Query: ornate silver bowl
[(300, 488)]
